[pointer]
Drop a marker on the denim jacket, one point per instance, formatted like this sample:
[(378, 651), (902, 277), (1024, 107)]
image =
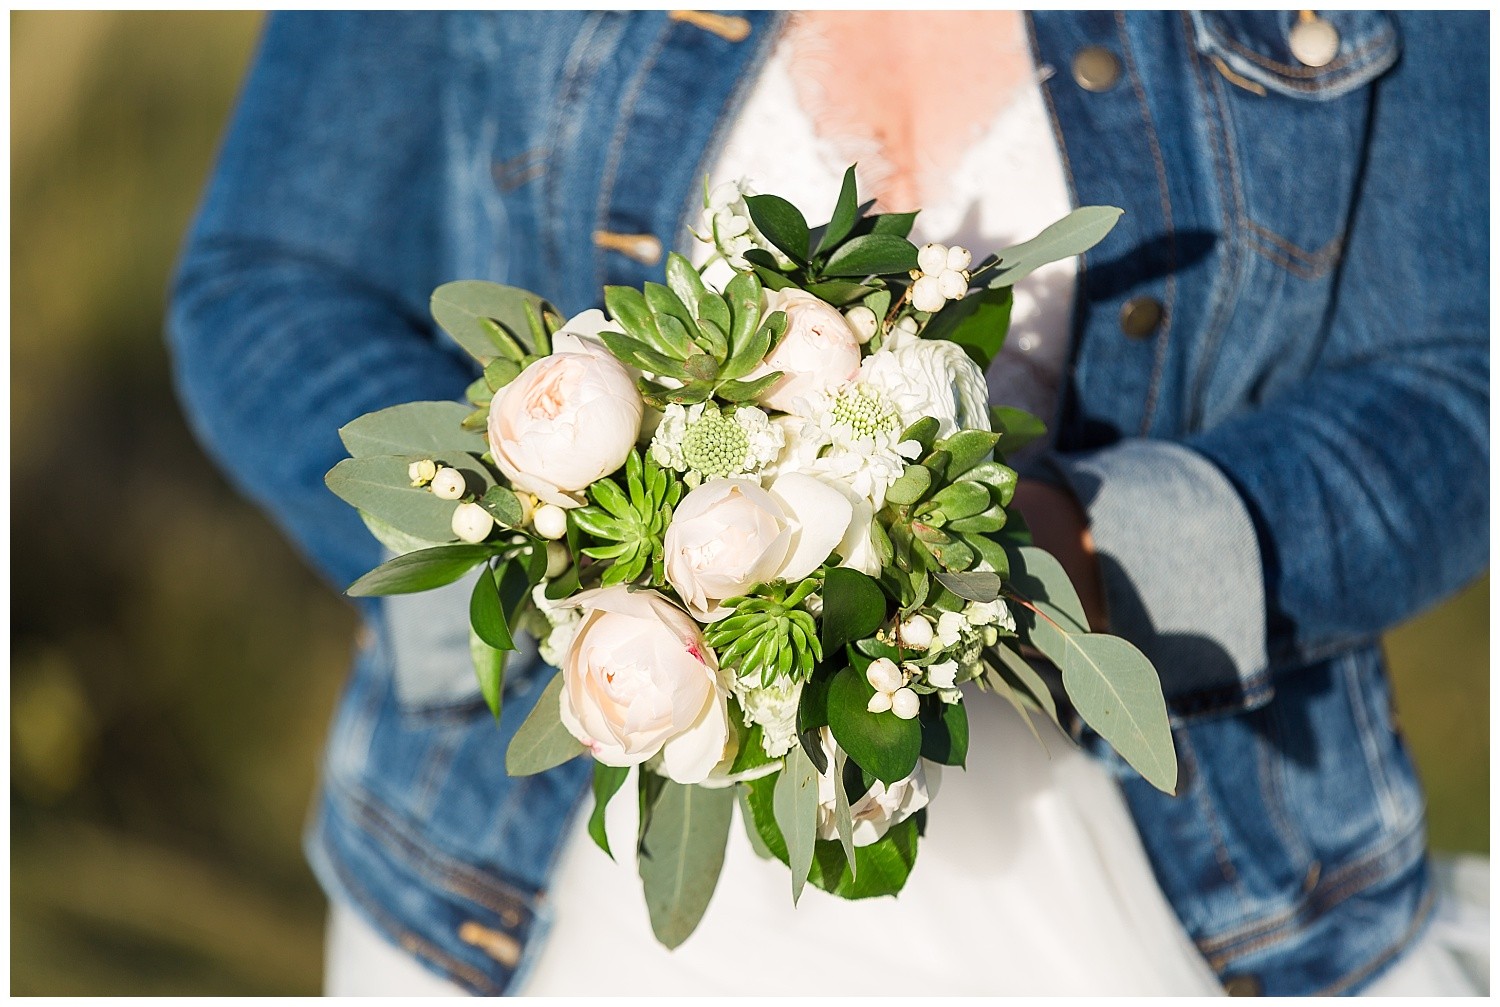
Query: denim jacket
[(1275, 414)]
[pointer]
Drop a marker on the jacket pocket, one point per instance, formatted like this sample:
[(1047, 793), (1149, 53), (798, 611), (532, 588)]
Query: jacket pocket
[(1296, 132)]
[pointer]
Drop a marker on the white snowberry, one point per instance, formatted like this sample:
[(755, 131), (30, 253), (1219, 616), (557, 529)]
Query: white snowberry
[(448, 484), (471, 522), (916, 632), (904, 704), (879, 703), (558, 559), (550, 521), (863, 321), (958, 258), (952, 285), (927, 294), (932, 258), (421, 472), (884, 676)]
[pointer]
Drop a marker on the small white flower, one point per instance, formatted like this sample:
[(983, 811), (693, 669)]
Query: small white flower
[(773, 707), (916, 632), (550, 521), (563, 616), (863, 321), (994, 613), (730, 229), (884, 676), (950, 629), (471, 522), (942, 674), (421, 472), (448, 484), (884, 806), (904, 704)]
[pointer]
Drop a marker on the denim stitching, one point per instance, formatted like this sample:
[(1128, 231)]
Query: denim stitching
[(1310, 74), (1317, 264), (1226, 175), (1210, 818), (1170, 283), (568, 90), (1354, 686), (627, 105), (1419, 921), (1273, 790)]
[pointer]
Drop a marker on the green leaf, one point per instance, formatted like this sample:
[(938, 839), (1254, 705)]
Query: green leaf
[(795, 804), (468, 309), (627, 306), (504, 506), (1075, 234), (1031, 680), (853, 608), (380, 486), (681, 854), (542, 742), (978, 323), (898, 224), (923, 431), (420, 571), (673, 320), (489, 668), (962, 499), (607, 782), (743, 294), (1039, 577), (845, 212), (420, 429), (486, 615), (685, 282), (638, 354), (882, 743), (872, 255), (966, 449), (843, 821), (1112, 686), (768, 275), (500, 372), (980, 587), (1017, 427), (1007, 692), (838, 293), (745, 391), (945, 733), (782, 224)]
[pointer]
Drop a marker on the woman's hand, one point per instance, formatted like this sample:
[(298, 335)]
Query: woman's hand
[(1058, 524)]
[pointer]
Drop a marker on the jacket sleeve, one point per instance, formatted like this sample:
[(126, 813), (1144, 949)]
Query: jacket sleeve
[(1360, 495), (301, 297)]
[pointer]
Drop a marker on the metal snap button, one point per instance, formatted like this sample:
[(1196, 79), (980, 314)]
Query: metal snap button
[(1245, 985), (1096, 69), (1140, 317), (1314, 41)]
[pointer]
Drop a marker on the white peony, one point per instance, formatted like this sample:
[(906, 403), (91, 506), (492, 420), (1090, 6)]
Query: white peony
[(565, 422), (931, 377), (638, 680), (884, 806), (817, 352), (728, 535)]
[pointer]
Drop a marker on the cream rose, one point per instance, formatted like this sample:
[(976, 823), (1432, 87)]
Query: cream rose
[(819, 350), (931, 377), (638, 679), (565, 422), (728, 535)]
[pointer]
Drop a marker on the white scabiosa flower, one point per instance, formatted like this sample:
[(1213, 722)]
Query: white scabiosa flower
[(853, 438), (930, 377), (773, 707), (703, 442)]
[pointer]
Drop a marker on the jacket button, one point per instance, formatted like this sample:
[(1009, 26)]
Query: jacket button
[(1096, 69), (1242, 986), (643, 248), (1140, 317), (1314, 41)]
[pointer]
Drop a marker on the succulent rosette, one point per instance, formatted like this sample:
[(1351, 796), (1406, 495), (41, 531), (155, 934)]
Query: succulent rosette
[(763, 531)]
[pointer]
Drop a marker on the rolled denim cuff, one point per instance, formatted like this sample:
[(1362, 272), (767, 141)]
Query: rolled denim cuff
[(1181, 568)]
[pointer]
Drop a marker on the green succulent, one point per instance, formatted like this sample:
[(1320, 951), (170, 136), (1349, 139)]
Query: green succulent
[(630, 523), (938, 515), (768, 633), (688, 333)]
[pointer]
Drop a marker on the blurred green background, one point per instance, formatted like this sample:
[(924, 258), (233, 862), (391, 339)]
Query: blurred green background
[(174, 665)]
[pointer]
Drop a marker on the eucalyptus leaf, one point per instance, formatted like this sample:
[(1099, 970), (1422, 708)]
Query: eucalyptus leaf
[(380, 485), (1031, 680), (420, 571), (607, 782), (1037, 575), (1075, 234), (843, 820), (975, 586), (542, 742), (463, 307), (853, 608), (681, 854), (415, 428), (795, 804)]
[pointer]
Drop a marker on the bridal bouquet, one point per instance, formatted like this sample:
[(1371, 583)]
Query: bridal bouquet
[(764, 533)]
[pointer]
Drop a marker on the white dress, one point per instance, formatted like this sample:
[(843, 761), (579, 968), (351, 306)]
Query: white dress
[(1031, 878)]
